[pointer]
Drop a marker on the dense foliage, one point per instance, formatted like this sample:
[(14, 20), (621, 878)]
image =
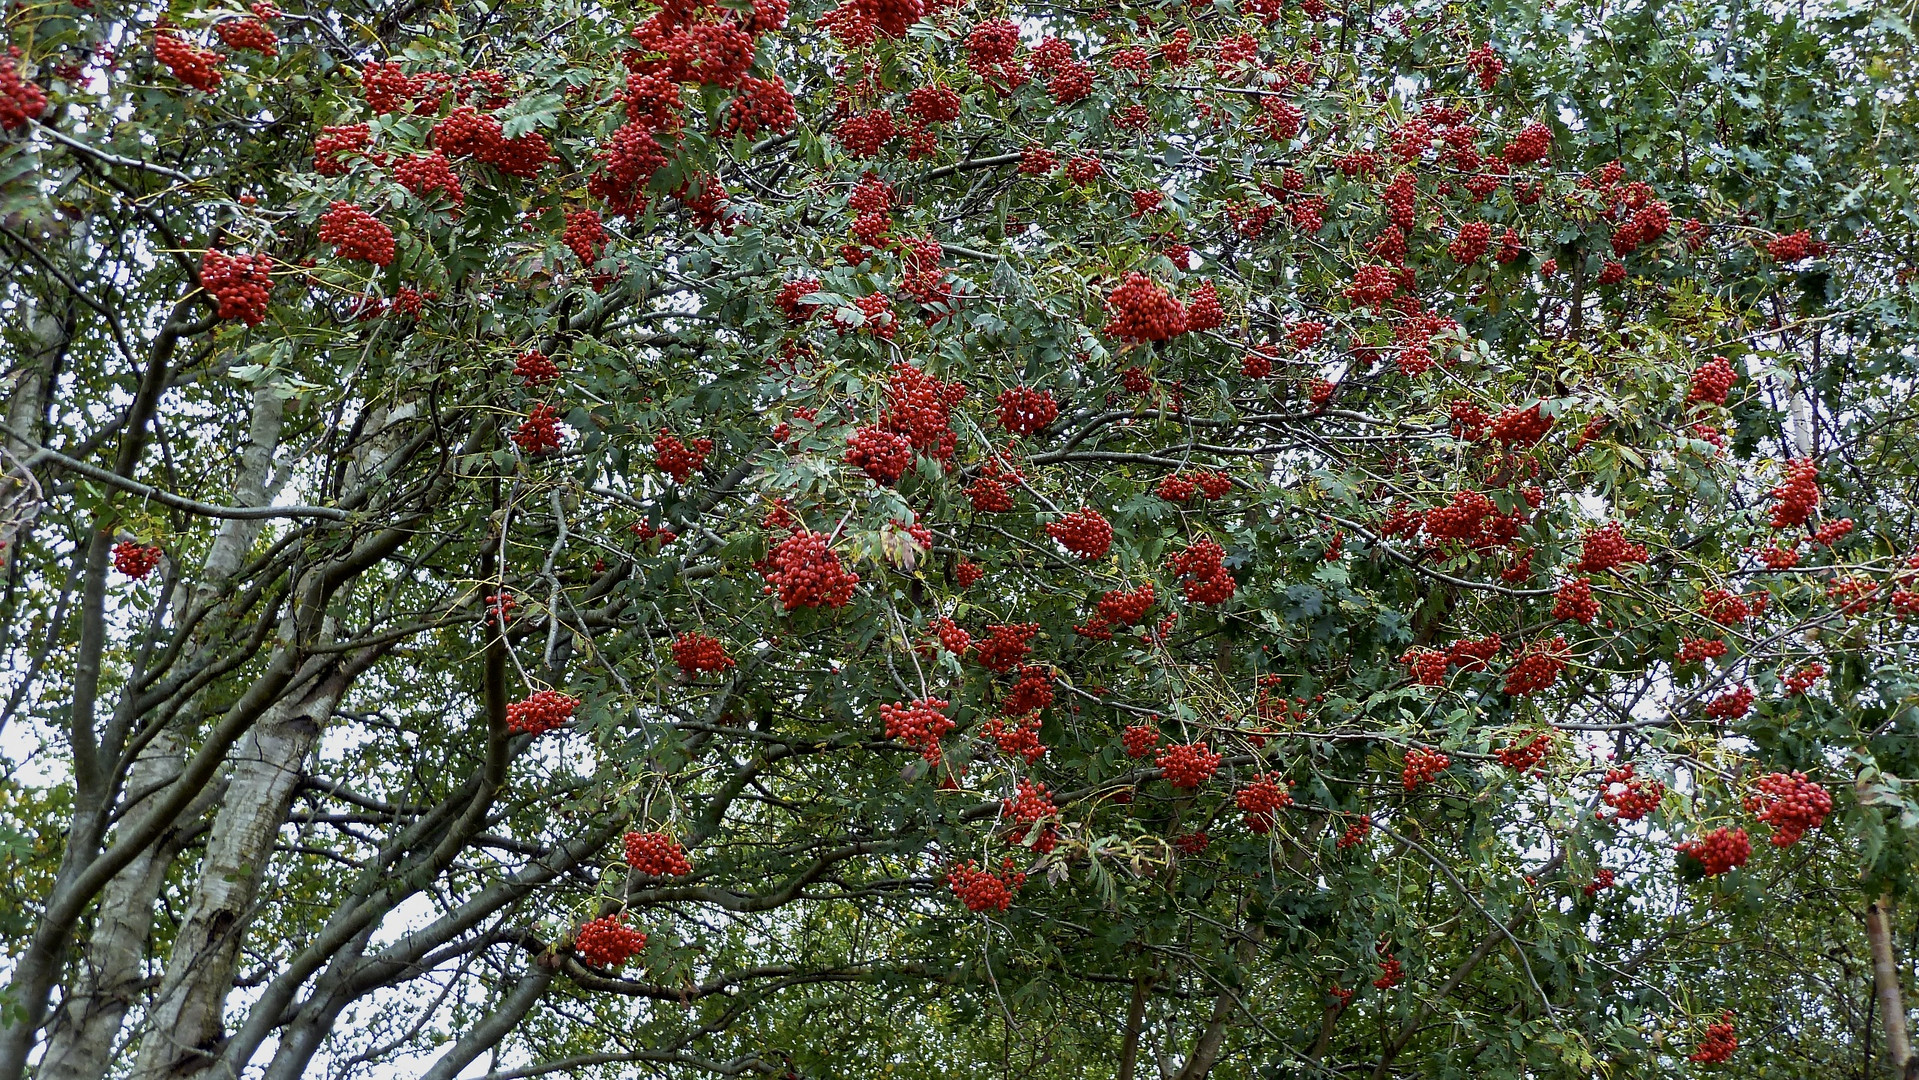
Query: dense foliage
[(915, 538)]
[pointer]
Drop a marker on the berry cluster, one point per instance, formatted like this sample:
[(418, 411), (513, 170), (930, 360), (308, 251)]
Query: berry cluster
[(920, 724), (1694, 650), (982, 890), (194, 66), (880, 454), (356, 234), (1798, 495), (135, 560), (1004, 647), (534, 369), (539, 433), (1574, 601), (1801, 681), (1018, 738), (1084, 532), (1187, 765), (1732, 704), (1710, 382), (467, 132), (1793, 247), (1031, 692), (540, 713), (584, 235), (1421, 766), (1139, 740), (1391, 974), (1729, 608), (1719, 851), (423, 174), (698, 653), (1357, 833), (1520, 427), (952, 638), (1471, 243), (1525, 754), (335, 143), (1026, 412), (1143, 311), (920, 407), (1030, 804), (1205, 311), (656, 854), (1192, 843), (606, 942), (1486, 64), (1538, 666), (1606, 547), (1530, 145), (1601, 880), (1790, 803), (1202, 566), (1258, 800), (20, 99), (808, 573), (1630, 797), (253, 35), (240, 283), (1718, 1043), (1124, 608)]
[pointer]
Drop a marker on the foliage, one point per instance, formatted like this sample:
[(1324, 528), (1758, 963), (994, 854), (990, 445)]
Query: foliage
[(1141, 534)]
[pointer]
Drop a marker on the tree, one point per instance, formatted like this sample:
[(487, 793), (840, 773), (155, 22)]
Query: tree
[(1326, 541)]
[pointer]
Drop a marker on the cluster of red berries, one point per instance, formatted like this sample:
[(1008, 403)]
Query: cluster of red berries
[(966, 573), (1520, 427), (20, 99), (240, 283), (1023, 411), (1357, 833), (1729, 608), (356, 234), (1719, 851), (920, 407), (250, 34), (1792, 247), (1030, 803), (1718, 1043), (1711, 382), (192, 65), (1084, 532), (1486, 64), (467, 132), (952, 638), (807, 573), (1790, 803), (1530, 145), (920, 724), (540, 713), (135, 560), (1258, 800), (1801, 681), (698, 653), (1202, 566), (1602, 880), (1427, 667), (1732, 704), (1694, 650), (539, 433), (880, 454), (1139, 740), (1471, 243), (534, 369), (1631, 797), (1525, 754), (1606, 547), (1538, 666), (983, 890), (1192, 843), (1205, 312), (1798, 494), (1031, 692), (584, 235), (1143, 311), (423, 174), (1122, 607), (335, 143), (606, 942), (656, 854), (1018, 738), (1187, 765), (1004, 647), (1391, 974), (1421, 766), (1574, 601), (761, 105)]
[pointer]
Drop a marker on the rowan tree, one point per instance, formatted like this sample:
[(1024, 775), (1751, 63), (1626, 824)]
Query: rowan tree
[(921, 537)]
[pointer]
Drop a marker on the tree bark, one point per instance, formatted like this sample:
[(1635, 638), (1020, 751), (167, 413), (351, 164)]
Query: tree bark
[(1135, 1020), (1885, 982)]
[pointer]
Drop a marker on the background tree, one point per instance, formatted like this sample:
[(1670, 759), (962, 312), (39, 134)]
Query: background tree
[(1260, 540)]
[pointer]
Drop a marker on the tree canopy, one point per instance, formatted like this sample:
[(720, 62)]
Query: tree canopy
[(924, 538)]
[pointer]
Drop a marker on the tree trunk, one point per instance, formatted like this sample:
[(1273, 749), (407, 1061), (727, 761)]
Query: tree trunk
[(185, 1022), (1885, 982), (1135, 1020)]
